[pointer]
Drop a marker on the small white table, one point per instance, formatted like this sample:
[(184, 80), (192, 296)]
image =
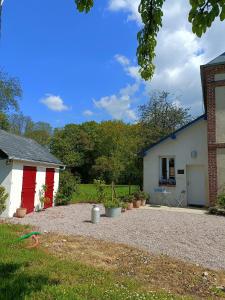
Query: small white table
[(164, 193)]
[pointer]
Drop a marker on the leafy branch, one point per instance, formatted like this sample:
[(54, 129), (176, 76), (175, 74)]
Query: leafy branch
[(201, 16)]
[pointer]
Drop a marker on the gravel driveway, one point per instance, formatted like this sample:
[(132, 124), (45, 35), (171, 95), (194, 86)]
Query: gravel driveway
[(198, 238)]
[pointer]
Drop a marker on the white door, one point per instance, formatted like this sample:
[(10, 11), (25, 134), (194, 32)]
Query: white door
[(196, 185)]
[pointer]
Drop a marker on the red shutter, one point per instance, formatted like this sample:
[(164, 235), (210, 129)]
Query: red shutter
[(28, 188), (49, 182)]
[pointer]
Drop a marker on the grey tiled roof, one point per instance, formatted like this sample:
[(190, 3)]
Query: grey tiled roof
[(17, 147), (218, 60)]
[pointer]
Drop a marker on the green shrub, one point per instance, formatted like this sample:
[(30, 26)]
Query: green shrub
[(144, 196), (101, 190), (140, 195), (127, 199), (61, 199), (68, 185), (215, 210), (3, 197), (112, 203), (221, 200)]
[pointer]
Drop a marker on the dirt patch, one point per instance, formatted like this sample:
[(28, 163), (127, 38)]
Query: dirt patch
[(153, 272)]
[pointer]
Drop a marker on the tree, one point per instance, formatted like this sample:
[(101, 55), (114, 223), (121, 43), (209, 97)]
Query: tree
[(119, 146), (10, 93), (41, 132), (161, 116), (70, 145), (19, 123), (4, 123), (202, 14)]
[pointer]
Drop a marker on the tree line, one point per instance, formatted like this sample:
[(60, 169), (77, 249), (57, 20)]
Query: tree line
[(110, 150)]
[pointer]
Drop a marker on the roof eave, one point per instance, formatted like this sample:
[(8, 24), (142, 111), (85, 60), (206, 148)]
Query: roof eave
[(37, 161), (202, 67)]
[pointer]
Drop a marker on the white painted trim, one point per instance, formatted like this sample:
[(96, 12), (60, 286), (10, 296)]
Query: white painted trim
[(167, 165), (37, 162)]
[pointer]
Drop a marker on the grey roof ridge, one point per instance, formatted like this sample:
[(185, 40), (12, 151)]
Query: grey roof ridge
[(29, 140)]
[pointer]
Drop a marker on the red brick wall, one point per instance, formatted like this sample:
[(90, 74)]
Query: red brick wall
[(208, 73)]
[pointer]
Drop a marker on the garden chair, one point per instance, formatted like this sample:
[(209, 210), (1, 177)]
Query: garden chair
[(181, 199)]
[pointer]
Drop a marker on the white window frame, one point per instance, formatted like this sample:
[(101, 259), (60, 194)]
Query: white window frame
[(167, 166)]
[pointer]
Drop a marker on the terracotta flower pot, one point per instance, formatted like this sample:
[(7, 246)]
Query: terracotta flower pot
[(143, 202), (21, 212), (130, 206), (137, 203)]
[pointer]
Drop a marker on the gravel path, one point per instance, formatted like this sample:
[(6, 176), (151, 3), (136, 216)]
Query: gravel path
[(192, 237)]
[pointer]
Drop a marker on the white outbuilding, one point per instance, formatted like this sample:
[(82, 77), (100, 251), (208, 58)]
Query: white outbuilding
[(25, 167)]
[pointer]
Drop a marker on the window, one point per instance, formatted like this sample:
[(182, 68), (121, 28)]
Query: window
[(167, 171)]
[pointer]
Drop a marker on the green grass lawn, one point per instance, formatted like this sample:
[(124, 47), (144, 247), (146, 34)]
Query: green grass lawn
[(36, 274), (87, 192)]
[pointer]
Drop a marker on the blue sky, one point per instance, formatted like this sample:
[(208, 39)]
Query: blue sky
[(75, 67)]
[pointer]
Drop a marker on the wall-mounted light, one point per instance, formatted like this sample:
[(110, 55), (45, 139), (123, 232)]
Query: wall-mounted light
[(8, 162), (194, 154)]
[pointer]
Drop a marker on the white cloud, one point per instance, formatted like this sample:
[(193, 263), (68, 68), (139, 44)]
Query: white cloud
[(132, 71), (88, 113), (123, 60), (54, 102), (179, 53), (119, 106), (130, 6)]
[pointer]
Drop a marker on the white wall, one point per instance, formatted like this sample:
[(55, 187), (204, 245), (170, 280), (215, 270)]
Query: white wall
[(56, 183), (192, 138), (220, 114), (5, 180), (17, 180)]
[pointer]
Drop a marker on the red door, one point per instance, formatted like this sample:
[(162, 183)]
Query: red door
[(28, 188), (49, 182)]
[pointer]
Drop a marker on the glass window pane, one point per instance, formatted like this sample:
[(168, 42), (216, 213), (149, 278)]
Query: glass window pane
[(164, 168), (171, 168)]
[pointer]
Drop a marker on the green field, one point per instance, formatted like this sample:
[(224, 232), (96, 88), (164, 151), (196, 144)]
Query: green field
[(87, 192), (27, 274)]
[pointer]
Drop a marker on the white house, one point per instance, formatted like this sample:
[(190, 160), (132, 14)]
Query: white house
[(25, 166), (188, 166)]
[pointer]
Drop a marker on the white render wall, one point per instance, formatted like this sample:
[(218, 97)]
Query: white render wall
[(14, 180), (191, 138), (5, 180), (56, 184)]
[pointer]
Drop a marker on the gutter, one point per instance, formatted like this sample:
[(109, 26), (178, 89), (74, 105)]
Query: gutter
[(61, 166)]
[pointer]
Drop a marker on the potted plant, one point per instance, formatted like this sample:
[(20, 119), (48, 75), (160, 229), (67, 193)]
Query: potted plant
[(112, 207), (21, 212), (43, 199), (137, 199), (124, 207), (128, 200), (144, 197)]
